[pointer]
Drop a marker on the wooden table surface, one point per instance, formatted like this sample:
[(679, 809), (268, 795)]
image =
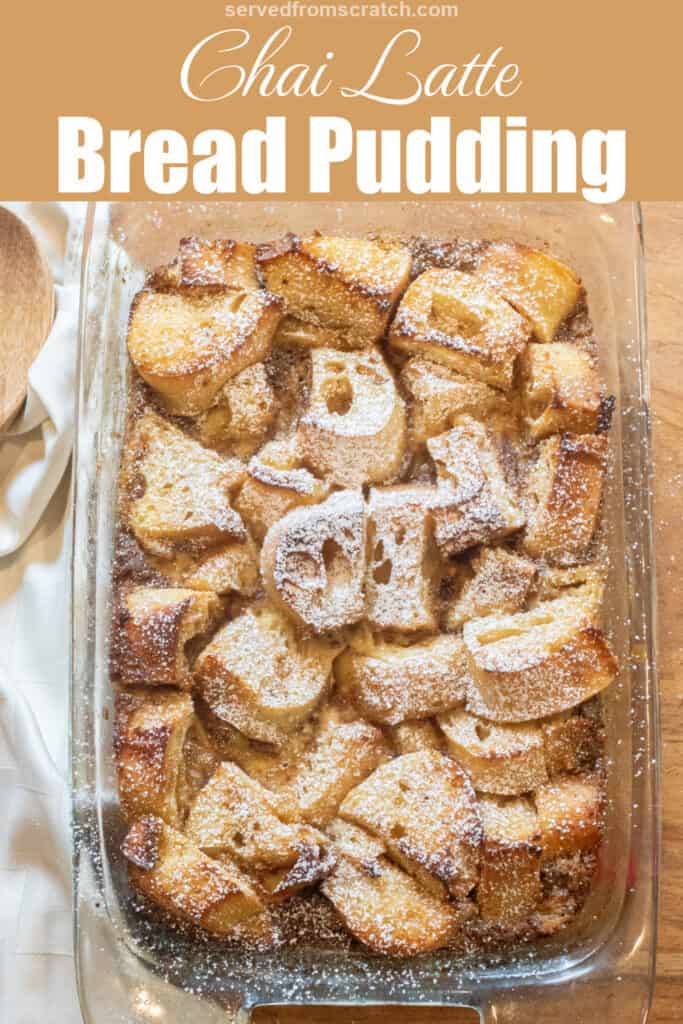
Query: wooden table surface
[(664, 245)]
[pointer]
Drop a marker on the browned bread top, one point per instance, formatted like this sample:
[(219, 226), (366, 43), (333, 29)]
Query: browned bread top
[(543, 289), (209, 265), (452, 318), (187, 346), (348, 284)]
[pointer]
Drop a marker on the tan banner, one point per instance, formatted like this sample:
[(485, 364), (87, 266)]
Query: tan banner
[(480, 98)]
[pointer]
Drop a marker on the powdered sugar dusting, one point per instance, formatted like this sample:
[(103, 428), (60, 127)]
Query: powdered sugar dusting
[(412, 520)]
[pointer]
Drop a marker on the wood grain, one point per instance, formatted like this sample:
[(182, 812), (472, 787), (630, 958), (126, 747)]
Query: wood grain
[(26, 310), (664, 246)]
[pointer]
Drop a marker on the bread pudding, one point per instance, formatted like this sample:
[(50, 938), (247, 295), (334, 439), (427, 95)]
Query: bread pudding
[(357, 642)]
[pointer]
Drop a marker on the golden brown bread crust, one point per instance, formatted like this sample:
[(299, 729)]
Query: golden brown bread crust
[(439, 395), (570, 812), (234, 817), (572, 743), (203, 265), (295, 333), (227, 568), (423, 807), (451, 318), (544, 290), (158, 623), (349, 285), (344, 753), (564, 496), (509, 886), (474, 503), (501, 582), (243, 414), (385, 908), (390, 683), (187, 346), (186, 491), (502, 759), (153, 728), (256, 675), (166, 867), (536, 663), (561, 390)]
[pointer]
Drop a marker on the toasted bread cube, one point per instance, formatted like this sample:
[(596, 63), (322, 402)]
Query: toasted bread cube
[(187, 490), (235, 817), (187, 346), (355, 844), (162, 753), (348, 284), (439, 396), (560, 391), (510, 881), (541, 288), (570, 814), (572, 743), (390, 683), (400, 580), (305, 335), (452, 318), (243, 414), (166, 867), (229, 568), (556, 582), (353, 431), (474, 504), (157, 625), (536, 663), (258, 676), (344, 753), (274, 767), (382, 906), (416, 734), (565, 491), (503, 759), (313, 562), (202, 265), (276, 483), (501, 582), (423, 807), (151, 729)]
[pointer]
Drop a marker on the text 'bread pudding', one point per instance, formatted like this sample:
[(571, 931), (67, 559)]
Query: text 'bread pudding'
[(357, 639)]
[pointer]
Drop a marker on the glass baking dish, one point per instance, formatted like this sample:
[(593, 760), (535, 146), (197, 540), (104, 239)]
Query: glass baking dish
[(603, 969)]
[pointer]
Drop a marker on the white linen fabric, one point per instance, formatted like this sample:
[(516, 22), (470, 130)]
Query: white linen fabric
[(36, 958)]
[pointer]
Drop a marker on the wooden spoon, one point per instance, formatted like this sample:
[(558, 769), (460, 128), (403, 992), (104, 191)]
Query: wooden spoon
[(26, 310)]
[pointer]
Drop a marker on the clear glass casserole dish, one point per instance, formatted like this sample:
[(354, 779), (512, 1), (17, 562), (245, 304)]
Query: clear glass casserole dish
[(603, 967)]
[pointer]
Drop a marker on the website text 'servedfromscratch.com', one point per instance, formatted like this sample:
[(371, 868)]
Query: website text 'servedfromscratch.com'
[(298, 9)]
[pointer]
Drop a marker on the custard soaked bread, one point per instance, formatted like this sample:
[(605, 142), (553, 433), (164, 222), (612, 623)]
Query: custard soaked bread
[(349, 285), (357, 638), (188, 346)]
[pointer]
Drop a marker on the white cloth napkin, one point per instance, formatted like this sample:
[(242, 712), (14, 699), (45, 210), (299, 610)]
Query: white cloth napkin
[(35, 448), (36, 961)]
